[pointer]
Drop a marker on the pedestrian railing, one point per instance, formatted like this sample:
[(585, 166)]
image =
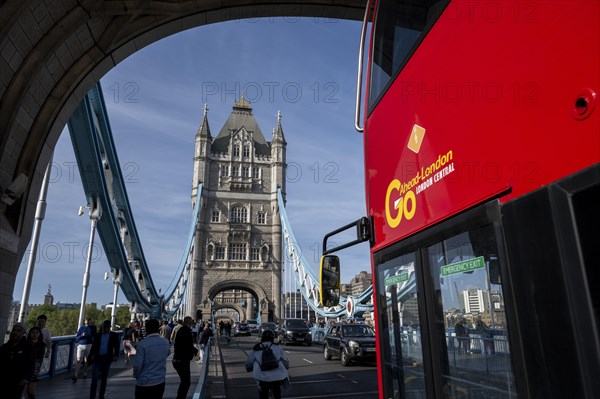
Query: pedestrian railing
[(201, 386), (488, 353), (63, 356)]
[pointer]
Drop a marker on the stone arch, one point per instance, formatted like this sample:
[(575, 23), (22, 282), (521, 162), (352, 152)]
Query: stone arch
[(210, 251), (241, 311), (249, 286), (71, 48), (265, 254)]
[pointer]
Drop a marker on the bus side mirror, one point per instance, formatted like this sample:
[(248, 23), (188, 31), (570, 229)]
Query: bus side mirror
[(329, 280)]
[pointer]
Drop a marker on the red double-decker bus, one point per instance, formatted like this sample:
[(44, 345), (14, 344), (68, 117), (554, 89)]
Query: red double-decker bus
[(482, 175)]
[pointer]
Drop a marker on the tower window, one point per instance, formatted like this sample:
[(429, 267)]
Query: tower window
[(239, 215), (245, 171), (255, 253), (256, 172), (236, 150), (224, 169), (220, 252), (261, 218), (246, 151), (237, 251), (216, 216)]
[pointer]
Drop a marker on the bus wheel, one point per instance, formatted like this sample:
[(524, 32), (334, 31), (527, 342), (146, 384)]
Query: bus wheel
[(326, 352), (344, 358)]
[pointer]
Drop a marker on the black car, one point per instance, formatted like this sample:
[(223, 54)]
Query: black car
[(294, 331), (351, 342)]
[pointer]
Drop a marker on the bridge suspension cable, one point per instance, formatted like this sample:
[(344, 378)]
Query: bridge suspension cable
[(104, 189), (307, 279)]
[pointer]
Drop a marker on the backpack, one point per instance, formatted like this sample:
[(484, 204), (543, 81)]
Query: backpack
[(268, 360)]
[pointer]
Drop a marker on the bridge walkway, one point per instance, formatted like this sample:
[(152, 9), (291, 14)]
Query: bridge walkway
[(121, 384)]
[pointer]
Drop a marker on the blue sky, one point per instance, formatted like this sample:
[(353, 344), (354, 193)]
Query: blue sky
[(305, 68)]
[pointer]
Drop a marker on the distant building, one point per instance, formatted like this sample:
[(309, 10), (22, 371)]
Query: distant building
[(48, 298), (345, 289), (473, 301), (60, 306), (360, 283)]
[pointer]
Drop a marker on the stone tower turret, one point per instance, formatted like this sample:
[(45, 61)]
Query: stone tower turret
[(278, 155), (202, 148)]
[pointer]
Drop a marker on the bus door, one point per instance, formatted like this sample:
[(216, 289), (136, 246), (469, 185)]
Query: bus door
[(442, 313)]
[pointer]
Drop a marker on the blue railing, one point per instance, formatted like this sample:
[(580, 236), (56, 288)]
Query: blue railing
[(63, 356)]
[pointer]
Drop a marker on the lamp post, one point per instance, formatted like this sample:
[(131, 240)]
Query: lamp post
[(95, 214), (40, 213), (117, 284)]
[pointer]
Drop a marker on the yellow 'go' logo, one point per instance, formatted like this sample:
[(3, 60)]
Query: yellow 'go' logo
[(401, 205)]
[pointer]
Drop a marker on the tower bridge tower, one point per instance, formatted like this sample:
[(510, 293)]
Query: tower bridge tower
[(238, 237)]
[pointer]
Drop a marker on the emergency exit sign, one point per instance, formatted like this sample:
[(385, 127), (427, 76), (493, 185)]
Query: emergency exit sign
[(463, 266)]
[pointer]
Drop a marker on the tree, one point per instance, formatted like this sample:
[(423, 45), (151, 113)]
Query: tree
[(47, 310)]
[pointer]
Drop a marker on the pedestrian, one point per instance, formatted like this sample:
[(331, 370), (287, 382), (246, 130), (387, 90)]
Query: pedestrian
[(221, 327), (47, 336), (175, 329), (34, 338), (462, 335), (150, 363), (17, 363), (84, 338), (196, 328), (183, 353), (207, 332), (227, 328), (165, 331), (105, 350), (268, 380), (129, 335)]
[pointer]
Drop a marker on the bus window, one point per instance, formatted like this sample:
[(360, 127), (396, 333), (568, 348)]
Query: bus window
[(330, 280), (400, 328), (476, 357), (399, 28)]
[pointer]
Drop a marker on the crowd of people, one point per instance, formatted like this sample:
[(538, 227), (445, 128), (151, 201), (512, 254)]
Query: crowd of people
[(21, 358), (146, 344)]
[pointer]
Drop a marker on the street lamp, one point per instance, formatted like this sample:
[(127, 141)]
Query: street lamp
[(95, 214), (40, 213), (117, 283)]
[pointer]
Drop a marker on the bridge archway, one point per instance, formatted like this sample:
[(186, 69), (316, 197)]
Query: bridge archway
[(266, 306), (238, 308), (69, 46)]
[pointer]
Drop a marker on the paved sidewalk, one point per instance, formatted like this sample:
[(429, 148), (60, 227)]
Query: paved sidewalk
[(121, 384), (227, 377)]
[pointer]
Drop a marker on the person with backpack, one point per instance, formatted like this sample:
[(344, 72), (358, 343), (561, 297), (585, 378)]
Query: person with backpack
[(269, 364)]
